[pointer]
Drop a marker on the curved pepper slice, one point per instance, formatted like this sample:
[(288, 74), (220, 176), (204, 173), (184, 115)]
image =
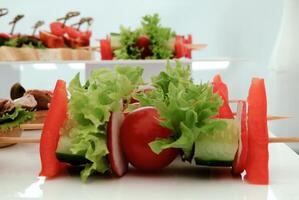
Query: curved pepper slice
[(188, 52), (220, 88), (179, 47), (106, 50), (258, 156), (57, 114)]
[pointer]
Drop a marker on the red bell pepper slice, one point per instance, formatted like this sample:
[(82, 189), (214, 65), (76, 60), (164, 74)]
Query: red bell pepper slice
[(258, 155), (220, 88), (106, 50), (57, 114), (179, 47)]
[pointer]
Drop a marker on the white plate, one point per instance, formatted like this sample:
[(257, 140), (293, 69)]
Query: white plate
[(19, 167)]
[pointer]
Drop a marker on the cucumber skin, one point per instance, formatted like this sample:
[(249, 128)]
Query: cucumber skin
[(214, 163), (218, 148), (63, 153), (71, 159)]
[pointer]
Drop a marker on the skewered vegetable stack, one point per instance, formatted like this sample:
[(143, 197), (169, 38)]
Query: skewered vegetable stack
[(150, 41)]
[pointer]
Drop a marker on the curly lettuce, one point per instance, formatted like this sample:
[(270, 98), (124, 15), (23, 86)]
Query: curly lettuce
[(158, 35), (89, 110), (184, 107)]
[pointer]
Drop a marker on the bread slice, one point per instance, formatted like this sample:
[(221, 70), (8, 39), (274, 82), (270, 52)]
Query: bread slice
[(15, 132), (31, 54)]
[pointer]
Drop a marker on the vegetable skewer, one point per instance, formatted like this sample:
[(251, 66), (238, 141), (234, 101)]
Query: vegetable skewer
[(40, 126), (37, 140)]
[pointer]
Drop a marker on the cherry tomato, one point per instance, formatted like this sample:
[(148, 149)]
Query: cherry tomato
[(139, 128), (57, 28)]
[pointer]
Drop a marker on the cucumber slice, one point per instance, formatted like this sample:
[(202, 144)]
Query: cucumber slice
[(171, 44), (115, 41), (64, 154), (218, 148)]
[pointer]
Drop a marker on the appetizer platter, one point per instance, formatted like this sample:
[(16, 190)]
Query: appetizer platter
[(68, 42), (62, 42), (149, 41)]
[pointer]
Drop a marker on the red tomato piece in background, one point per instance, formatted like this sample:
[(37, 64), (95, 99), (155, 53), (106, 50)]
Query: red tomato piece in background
[(179, 47), (188, 40), (85, 35), (257, 170), (57, 28), (5, 35), (72, 32), (56, 117), (220, 88), (50, 40), (143, 42)]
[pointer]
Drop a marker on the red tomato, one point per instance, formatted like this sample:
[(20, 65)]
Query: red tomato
[(143, 42), (50, 40), (57, 28), (72, 32), (5, 35), (139, 128), (85, 35)]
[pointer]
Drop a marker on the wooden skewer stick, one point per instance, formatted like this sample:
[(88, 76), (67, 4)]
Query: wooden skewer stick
[(269, 117), (284, 140), (90, 48), (13, 140), (196, 46), (273, 117), (32, 126)]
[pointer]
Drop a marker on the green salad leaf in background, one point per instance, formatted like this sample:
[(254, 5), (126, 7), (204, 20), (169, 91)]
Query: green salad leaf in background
[(15, 118), (158, 35)]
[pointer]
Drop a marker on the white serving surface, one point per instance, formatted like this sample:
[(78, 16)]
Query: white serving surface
[(19, 167)]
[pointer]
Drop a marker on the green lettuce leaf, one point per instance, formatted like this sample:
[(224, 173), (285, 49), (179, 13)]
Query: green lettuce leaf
[(89, 111), (159, 40), (19, 116), (159, 37), (184, 107)]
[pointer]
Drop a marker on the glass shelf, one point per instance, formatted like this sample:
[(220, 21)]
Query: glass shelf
[(43, 74)]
